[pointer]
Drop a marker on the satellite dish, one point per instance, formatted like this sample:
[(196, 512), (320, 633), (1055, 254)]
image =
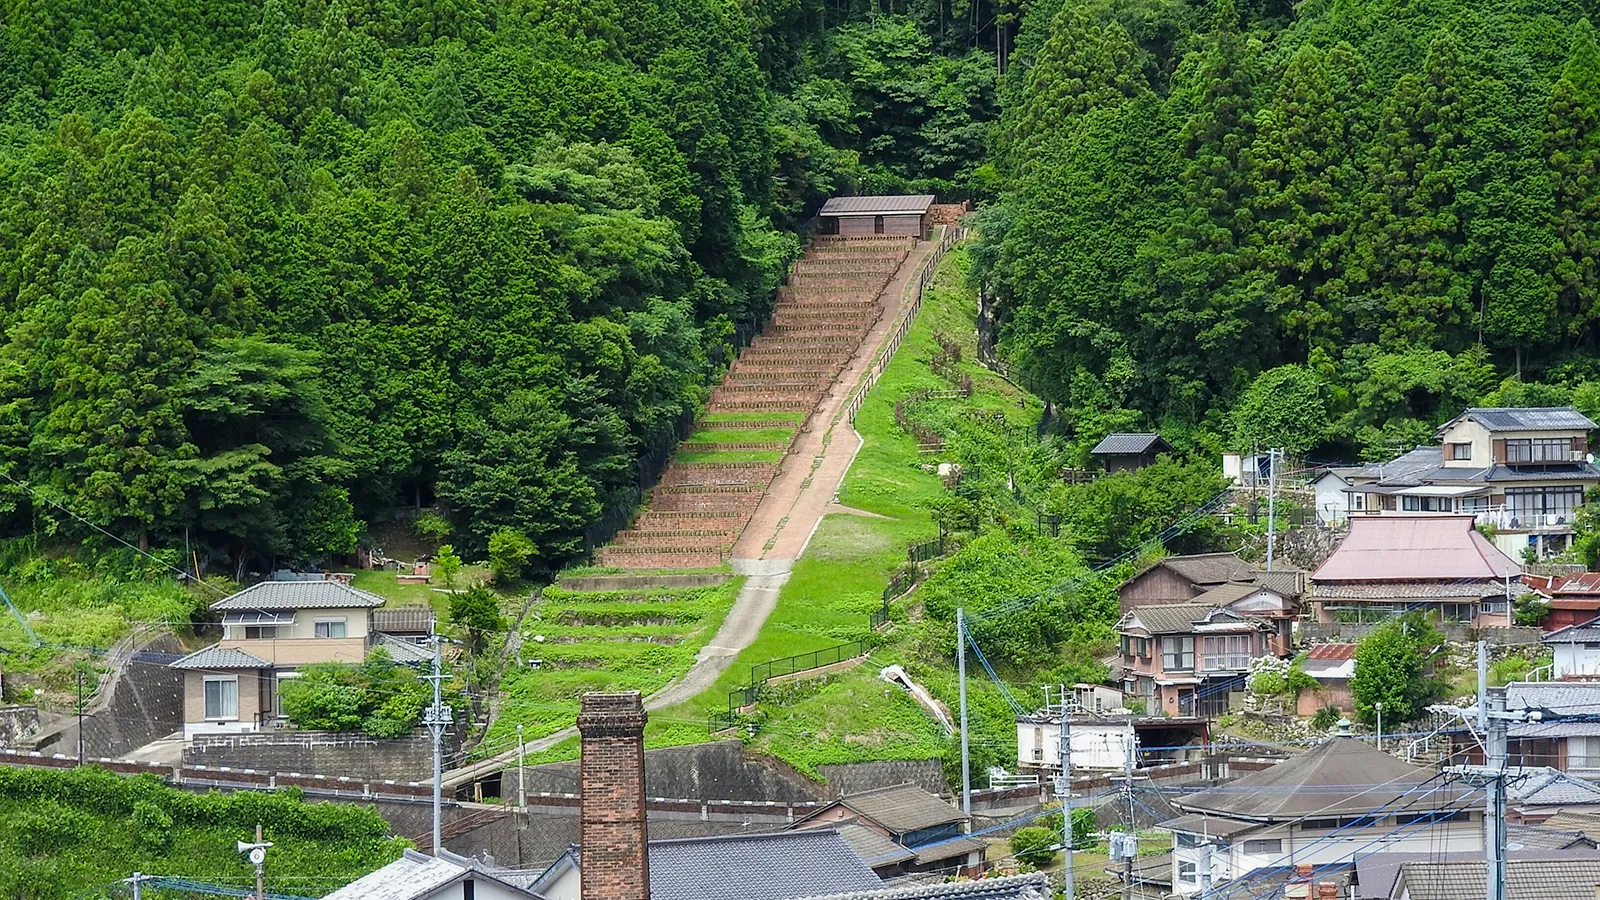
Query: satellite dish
[(258, 856)]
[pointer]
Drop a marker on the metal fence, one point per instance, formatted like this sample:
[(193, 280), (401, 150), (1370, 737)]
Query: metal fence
[(926, 550), (760, 673)]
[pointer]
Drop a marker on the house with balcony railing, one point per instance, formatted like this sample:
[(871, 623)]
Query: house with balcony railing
[(1183, 659), (1522, 472)]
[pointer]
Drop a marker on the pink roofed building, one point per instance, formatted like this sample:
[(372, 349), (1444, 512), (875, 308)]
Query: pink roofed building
[(1391, 565)]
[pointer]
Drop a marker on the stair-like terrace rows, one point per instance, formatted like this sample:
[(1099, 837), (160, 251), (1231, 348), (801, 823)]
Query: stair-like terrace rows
[(697, 511)]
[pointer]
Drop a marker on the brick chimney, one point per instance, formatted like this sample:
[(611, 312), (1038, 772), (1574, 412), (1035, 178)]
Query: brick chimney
[(611, 822), (1299, 886), (1327, 890)]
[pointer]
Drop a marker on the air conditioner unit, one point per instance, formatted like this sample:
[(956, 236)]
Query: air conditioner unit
[(1579, 456)]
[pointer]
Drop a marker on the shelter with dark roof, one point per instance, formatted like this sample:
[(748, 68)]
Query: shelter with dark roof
[(913, 819), (1522, 470), (269, 630), (1128, 452), (1388, 565), (864, 216), (1183, 659), (782, 865), (1338, 801)]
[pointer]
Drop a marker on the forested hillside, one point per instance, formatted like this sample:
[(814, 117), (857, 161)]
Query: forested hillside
[(1327, 224), (271, 270)]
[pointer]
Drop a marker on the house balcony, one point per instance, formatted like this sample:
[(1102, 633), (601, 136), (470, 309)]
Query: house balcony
[(1509, 520)]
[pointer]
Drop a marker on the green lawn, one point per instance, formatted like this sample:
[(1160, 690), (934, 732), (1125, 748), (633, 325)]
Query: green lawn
[(740, 435), (754, 417), (731, 456)]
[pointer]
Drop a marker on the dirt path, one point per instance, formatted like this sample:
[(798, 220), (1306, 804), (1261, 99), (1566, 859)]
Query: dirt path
[(789, 514)]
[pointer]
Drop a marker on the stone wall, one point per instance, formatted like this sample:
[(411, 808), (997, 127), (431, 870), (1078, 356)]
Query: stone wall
[(326, 753), (17, 723), (849, 778), (142, 700), (641, 582), (716, 771)]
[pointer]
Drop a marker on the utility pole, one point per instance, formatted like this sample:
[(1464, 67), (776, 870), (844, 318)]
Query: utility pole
[(257, 853), (522, 772), (1272, 504), (961, 678), (80, 715), (1494, 751), (137, 883), (1379, 707), (1064, 790), (1205, 870), (437, 717), (1130, 843)]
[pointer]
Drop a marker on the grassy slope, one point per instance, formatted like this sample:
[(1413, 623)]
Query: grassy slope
[(854, 716)]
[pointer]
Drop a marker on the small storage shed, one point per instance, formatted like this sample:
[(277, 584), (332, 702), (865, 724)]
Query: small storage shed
[(905, 214), (1129, 452)]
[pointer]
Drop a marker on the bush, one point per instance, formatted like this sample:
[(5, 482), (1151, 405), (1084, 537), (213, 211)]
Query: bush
[(1035, 846), (448, 564), (432, 526), (1326, 718), (510, 551), (50, 828), (380, 697)]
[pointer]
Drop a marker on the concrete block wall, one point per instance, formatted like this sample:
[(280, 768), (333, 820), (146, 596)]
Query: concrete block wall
[(357, 756)]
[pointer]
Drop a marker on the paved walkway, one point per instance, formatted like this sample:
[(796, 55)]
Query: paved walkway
[(789, 514)]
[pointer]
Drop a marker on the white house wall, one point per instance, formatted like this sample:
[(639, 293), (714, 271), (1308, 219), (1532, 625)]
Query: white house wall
[(1575, 659), (1333, 504), (1093, 746)]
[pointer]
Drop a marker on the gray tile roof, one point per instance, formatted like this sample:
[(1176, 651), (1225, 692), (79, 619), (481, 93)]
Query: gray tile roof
[(1291, 583), (883, 205), (1542, 837), (1210, 568), (1526, 879), (1548, 787), (1530, 418), (780, 866), (948, 849), (1376, 872), (1033, 886), (901, 808), (220, 658), (1566, 820), (415, 875), (1121, 444), (1340, 777), (402, 620), (1181, 618), (1404, 468), (402, 650), (874, 848), (1224, 594), (298, 595)]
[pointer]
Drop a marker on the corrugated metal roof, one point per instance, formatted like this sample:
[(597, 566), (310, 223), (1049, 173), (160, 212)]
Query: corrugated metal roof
[(1390, 548), (1033, 886), (878, 205), (1341, 777), (1332, 651), (787, 864), (1581, 583), (403, 620), (1208, 826), (221, 658), (298, 595), (1526, 879), (1525, 418), (415, 875), (1123, 444), (1182, 618)]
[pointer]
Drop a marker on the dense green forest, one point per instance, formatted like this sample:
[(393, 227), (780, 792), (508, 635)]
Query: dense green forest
[(271, 271), (1327, 224)]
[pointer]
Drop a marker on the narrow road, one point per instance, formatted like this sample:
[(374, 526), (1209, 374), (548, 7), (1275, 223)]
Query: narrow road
[(789, 514)]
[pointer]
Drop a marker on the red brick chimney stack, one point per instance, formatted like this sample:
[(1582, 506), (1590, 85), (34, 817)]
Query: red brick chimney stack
[(611, 823)]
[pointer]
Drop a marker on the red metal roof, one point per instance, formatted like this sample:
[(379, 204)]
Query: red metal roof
[(1333, 651), (1401, 548), (1582, 583)]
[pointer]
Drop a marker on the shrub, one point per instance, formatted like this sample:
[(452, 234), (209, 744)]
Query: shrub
[(1325, 718), (1035, 846), (51, 827), (510, 551), (432, 526), (380, 697), (448, 564)]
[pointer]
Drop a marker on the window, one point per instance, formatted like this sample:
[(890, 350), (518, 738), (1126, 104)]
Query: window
[(1456, 612), (260, 632), (1539, 450), (1474, 504), (1274, 845), (1542, 505), (329, 628), (1142, 645), (1228, 651), (1187, 840), (1187, 871), (1461, 451), (1425, 504), (222, 698), (1177, 653), (1319, 824), (1358, 501), (1583, 752)]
